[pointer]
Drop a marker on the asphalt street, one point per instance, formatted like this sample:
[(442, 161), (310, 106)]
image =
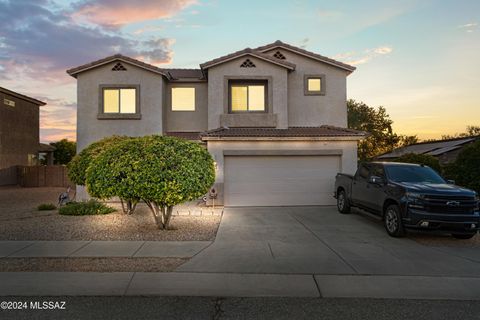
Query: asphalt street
[(245, 308)]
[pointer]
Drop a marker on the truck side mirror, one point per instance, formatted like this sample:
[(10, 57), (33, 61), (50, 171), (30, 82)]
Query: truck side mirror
[(375, 180), (450, 181)]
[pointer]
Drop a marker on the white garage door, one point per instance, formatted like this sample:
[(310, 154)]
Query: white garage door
[(280, 180)]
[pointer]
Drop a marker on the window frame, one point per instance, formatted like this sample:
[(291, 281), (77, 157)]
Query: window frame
[(194, 98), (322, 85), (245, 82), (117, 115)]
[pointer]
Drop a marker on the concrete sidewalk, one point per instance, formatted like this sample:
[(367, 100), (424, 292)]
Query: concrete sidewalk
[(237, 285), (158, 249)]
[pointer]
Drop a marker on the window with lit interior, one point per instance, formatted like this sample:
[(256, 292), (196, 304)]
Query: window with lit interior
[(119, 100), (315, 85), (183, 99), (248, 96)]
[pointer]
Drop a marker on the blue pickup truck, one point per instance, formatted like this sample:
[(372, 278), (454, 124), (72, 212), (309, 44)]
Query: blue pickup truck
[(409, 196)]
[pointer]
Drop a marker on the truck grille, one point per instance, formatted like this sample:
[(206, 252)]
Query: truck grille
[(450, 204)]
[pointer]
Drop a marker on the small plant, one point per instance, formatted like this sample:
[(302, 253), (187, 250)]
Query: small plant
[(46, 206), (91, 207)]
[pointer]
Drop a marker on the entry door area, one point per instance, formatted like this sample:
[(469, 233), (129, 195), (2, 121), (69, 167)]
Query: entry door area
[(280, 180)]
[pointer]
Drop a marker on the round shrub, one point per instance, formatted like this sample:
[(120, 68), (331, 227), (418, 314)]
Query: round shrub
[(162, 171), (77, 167)]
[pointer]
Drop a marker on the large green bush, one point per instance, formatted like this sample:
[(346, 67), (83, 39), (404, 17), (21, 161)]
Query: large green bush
[(424, 159), (162, 171), (466, 168), (109, 175), (77, 167)]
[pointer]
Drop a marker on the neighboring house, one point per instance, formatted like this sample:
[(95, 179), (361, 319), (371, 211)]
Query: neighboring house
[(19, 129), (19, 133), (274, 118), (444, 150)]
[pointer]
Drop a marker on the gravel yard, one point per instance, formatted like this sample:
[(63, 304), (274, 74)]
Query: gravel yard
[(20, 220), (90, 264)]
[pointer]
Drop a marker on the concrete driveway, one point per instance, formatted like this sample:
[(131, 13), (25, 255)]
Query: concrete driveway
[(319, 240)]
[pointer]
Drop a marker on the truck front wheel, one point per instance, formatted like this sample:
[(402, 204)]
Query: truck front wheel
[(393, 221), (343, 205)]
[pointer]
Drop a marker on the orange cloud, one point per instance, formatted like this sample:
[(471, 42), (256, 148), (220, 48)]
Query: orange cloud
[(116, 13), (356, 58)]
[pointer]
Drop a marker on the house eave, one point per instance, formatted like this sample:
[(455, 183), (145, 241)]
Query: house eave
[(75, 71), (22, 97), (208, 65), (345, 67)]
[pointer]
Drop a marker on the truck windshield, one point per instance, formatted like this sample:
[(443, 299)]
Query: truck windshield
[(413, 174)]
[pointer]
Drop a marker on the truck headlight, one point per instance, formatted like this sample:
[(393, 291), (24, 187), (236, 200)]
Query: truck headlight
[(477, 199), (415, 200)]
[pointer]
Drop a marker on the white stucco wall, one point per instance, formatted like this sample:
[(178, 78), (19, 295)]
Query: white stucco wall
[(218, 91), (315, 110), (90, 129)]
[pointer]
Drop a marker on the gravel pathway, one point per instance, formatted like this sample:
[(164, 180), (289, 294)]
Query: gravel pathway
[(90, 264), (19, 220)]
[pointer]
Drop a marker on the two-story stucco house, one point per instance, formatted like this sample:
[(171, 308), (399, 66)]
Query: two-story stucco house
[(274, 118)]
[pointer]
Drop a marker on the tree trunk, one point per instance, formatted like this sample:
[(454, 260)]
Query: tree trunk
[(157, 215), (168, 216), (161, 214), (128, 206)]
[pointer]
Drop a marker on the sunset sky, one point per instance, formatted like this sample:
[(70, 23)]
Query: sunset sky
[(418, 59)]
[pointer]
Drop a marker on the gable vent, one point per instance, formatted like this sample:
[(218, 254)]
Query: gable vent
[(279, 55), (247, 64), (119, 67)]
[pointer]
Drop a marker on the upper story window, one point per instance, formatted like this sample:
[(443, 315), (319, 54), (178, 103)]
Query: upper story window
[(248, 96), (119, 101), (314, 84), (183, 99)]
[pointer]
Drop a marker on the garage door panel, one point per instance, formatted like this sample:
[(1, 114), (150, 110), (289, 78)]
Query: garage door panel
[(280, 180), (270, 174)]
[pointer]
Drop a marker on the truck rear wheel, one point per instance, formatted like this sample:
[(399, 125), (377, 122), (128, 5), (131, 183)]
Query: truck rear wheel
[(393, 221), (343, 205)]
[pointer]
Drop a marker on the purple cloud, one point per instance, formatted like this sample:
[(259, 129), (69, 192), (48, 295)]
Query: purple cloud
[(41, 42)]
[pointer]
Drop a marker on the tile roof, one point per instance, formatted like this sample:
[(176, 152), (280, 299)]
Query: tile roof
[(22, 97), (74, 71), (43, 147), (433, 148), (310, 54), (185, 73), (248, 51), (184, 135), (321, 131)]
